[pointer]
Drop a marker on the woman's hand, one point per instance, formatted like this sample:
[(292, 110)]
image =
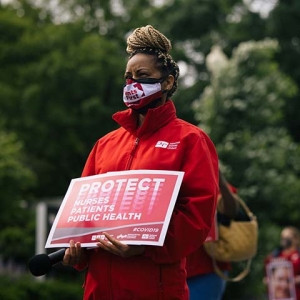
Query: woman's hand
[(114, 246), (74, 255)]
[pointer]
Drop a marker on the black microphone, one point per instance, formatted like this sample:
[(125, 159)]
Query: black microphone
[(42, 263)]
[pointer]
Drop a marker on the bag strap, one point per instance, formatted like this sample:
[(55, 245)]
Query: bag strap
[(245, 207), (246, 270), (237, 278)]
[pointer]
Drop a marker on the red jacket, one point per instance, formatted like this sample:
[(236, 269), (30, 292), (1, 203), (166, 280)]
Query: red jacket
[(160, 272), (200, 263)]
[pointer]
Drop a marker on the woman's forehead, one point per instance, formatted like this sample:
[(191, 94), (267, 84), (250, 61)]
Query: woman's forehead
[(287, 233), (141, 60)]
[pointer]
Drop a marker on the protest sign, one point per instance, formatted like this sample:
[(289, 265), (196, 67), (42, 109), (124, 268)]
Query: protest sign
[(134, 207), (280, 278)]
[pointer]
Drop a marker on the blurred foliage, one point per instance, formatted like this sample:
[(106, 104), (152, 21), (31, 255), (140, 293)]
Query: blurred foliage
[(283, 24), (16, 179), (60, 87), (257, 153), (61, 79), (26, 289)]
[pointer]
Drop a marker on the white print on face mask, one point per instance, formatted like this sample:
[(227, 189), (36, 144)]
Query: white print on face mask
[(135, 91)]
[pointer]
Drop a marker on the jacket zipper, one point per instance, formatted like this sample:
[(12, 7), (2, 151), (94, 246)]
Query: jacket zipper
[(136, 142), (109, 279), (160, 285)]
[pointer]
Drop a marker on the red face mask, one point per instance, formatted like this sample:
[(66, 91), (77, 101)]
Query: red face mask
[(138, 93)]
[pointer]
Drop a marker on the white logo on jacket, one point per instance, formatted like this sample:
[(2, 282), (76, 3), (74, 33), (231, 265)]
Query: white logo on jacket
[(166, 145)]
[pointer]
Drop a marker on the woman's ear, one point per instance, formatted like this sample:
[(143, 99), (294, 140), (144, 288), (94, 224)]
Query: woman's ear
[(169, 82)]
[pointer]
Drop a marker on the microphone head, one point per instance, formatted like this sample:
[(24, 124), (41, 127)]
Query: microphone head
[(40, 264)]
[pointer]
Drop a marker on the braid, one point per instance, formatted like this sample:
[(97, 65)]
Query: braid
[(148, 37), (150, 41)]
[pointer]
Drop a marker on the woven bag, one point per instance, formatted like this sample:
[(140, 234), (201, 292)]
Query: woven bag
[(237, 242)]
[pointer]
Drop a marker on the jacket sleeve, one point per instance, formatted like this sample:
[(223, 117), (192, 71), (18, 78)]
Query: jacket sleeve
[(89, 167), (196, 204)]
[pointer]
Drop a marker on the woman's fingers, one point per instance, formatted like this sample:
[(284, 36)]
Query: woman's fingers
[(67, 256), (72, 254), (118, 248), (112, 245)]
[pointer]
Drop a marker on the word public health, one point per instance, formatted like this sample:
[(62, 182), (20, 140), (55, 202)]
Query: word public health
[(97, 200)]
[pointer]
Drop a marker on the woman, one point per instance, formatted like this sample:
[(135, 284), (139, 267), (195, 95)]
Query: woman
[(115, 270)]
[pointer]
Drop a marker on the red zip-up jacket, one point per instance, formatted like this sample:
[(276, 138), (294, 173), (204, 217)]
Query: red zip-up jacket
[(163, 142), (200, 263)]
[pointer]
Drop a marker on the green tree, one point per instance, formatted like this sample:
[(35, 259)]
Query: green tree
[(283, 25), (243, 112), (58, 89), (16, 178)]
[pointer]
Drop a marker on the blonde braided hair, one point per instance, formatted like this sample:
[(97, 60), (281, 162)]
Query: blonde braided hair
[(150, 41)]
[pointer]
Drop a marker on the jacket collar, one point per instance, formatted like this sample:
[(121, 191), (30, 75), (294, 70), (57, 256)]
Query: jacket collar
[(155, 119)]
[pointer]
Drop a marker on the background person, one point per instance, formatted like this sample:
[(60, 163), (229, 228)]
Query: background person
[(118, 271), (288, 250)]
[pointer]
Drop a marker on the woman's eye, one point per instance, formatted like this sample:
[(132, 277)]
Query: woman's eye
[(142, 75)]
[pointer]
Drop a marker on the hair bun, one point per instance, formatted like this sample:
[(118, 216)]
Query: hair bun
[(147, 37)]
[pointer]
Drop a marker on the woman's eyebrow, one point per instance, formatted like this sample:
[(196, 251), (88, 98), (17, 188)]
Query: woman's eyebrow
[(127, 74), (143, 69)]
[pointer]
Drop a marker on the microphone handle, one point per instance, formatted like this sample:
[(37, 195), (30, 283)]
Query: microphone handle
[(57, 256)]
